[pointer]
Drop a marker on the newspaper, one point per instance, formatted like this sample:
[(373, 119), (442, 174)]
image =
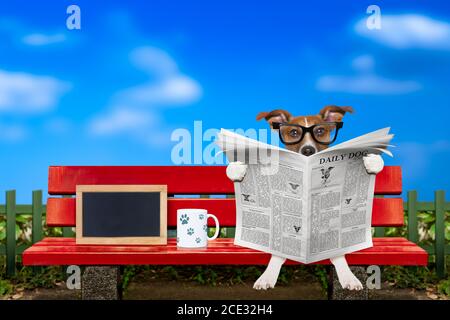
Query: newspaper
[(304, 208)]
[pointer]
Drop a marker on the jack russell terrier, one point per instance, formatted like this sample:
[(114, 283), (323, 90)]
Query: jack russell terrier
[(307, 135)]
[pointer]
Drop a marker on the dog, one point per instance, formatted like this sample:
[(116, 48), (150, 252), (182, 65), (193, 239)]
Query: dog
[(326, 173), (306, 146)]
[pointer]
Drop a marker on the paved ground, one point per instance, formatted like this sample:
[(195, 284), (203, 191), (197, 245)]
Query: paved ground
[(189, 290), (165, 289)]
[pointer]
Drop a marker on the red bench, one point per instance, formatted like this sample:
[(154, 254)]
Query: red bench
[(197, 180)]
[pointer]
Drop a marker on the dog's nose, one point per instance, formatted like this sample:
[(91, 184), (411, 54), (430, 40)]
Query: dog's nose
[(308, 151)]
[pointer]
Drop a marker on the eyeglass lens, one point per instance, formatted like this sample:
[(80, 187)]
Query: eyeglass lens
[(324, 133)]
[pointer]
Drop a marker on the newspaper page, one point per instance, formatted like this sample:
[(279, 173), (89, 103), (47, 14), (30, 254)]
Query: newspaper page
[(308, 208), (340, 204), (271, 209)]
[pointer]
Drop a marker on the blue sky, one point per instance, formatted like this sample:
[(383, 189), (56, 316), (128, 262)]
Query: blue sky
[(113, 92)]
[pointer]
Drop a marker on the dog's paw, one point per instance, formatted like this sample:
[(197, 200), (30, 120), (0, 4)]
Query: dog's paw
[(349, 281), (236, 171), (374, 163), (266, 281)]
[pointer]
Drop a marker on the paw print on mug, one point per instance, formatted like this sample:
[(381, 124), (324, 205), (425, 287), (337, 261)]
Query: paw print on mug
[(192, 228), (184, 219)]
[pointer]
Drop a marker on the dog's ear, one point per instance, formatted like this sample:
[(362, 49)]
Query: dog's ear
[(334, 113), (275, 116)]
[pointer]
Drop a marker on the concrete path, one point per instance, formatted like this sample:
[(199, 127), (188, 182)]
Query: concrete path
[(165, 289)]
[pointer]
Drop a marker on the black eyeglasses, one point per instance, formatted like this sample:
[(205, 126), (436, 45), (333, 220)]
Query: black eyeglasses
[(323, 133)]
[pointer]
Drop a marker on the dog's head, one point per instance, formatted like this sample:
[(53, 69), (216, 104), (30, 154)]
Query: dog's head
[(311, 141)]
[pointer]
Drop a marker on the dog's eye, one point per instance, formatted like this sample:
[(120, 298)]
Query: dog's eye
[(319, 131), (293, 133)]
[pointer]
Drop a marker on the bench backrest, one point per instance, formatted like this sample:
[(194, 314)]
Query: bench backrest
[(192, 180)]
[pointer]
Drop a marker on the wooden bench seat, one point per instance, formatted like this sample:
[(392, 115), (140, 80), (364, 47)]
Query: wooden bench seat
[(183, 182), (64, 251)]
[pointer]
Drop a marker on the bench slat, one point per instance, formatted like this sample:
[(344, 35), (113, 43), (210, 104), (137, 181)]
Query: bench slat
[(212, 247), (219, 242), (389, 181), (179, 179), (54, 251), (61, 211), (198, 180)]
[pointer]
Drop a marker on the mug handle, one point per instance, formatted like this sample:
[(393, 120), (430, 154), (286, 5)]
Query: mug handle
[(216, 234)]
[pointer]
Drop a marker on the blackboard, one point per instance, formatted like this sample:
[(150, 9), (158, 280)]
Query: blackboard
[(121, 214)]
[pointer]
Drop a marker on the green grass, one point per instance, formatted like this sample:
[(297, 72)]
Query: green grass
[(222, 275), (400, 277), (417, 277), (25, 278), (409, 277)]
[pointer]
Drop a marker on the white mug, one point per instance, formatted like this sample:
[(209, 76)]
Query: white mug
[(192, 228)]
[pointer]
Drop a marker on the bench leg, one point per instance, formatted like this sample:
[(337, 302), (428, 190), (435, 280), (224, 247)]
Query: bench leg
[(336, 292), (100, 283)]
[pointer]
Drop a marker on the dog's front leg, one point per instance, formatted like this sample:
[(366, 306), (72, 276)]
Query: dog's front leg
[(374, 163), (346, 277), (270, 276)]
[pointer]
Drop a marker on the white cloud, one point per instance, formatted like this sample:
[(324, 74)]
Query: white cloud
[(140, 125), (363, 63), (27, 93), (365, 80), (408, 31), (134, 111), (153, 60), (58, 125), (170, 91), (23, 33), (366, 84), (12, 133), (41, 39), (166, 86), (121, 120)]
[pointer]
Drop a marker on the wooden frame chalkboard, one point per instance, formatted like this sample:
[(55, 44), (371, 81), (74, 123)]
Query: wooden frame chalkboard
[(121, 214)]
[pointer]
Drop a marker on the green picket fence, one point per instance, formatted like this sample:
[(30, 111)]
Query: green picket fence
[(12, 212), (37, 210)]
